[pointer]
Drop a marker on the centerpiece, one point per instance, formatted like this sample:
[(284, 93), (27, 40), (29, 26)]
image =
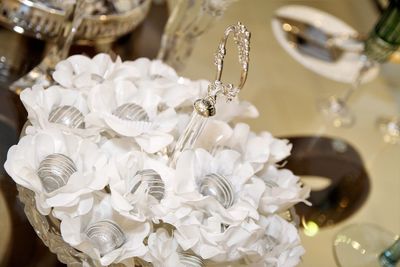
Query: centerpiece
[(117, 166)]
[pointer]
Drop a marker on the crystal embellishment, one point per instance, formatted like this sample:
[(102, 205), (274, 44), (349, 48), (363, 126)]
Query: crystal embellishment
[(154, 184), (219, 187), (67, 115), (131, 112), (55, 170), (190, 260), (106, 236)]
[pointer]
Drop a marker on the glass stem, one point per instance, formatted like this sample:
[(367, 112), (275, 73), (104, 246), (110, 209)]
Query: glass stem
[(366, 66), (59, 51), (190, 135), (390, 256)]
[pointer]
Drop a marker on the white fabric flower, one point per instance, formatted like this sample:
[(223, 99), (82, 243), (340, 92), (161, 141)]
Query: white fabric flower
[(75, 197), (194, 166), (124, 173), (211, 239), (280, 247), (254, 149), (283, 191), (163, 249), (75, 232), (200, 220), (279, 148), (82, 73), (151, 135), (40, 103)]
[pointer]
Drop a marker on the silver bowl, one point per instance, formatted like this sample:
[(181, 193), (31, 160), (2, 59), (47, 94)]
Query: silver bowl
[(45, 22)]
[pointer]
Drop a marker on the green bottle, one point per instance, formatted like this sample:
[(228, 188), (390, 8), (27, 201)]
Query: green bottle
[(384, 39), (391, 256)]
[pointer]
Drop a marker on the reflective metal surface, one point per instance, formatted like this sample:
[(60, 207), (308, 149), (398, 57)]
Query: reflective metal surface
[(45, 22)]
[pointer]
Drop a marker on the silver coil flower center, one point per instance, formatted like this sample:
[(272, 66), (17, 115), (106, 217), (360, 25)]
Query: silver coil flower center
[(190, 260), (106, 236), (55, 170), (67, 115), (219, 187), (154, 184), (131, 112)]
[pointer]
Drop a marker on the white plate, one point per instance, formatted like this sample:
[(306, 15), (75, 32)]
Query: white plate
[(346, 68)]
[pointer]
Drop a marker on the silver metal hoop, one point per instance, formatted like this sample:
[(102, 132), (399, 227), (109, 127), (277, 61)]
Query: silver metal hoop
[(241, 36)]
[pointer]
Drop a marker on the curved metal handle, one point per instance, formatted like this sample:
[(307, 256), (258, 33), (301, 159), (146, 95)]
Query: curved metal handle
[(241, 36)]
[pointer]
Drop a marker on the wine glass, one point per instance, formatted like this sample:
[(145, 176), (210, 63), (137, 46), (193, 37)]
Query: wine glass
[(382, 42), (335, 108), (366, 245)]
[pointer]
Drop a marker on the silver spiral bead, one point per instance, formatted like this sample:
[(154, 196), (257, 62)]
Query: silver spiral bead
[(190, 260), (131, 112), (269, 183), (219, 187), (55, 170), (154, 184), (106, 236), (67, 115)]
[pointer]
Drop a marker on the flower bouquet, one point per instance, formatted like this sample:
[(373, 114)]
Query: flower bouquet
[(117, 166)]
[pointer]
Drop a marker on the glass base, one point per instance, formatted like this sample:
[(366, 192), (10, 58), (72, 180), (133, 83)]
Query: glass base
[(360, 245), (36, 76), (390, 129), (336, 111)]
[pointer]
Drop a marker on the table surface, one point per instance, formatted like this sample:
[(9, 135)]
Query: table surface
[(285, 94)]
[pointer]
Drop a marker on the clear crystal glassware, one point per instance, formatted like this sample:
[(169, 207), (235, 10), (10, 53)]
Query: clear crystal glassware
[(382, 42), (66, 21), (188, 21), (390, 128), (366, 245)]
